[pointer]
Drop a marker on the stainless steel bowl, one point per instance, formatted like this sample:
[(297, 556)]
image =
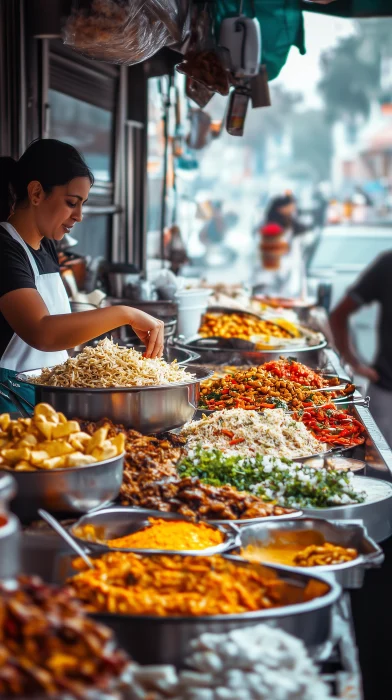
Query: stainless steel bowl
[(63, 491), (149, 409), (311, 356), (349, 575), (10, 547), (165, 640), (375, 512), (118, 522)]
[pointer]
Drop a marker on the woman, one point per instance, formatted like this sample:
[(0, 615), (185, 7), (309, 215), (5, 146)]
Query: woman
[(282, 211), (41, 199)]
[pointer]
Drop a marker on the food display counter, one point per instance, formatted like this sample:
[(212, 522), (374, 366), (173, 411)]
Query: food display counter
[(178, 524)]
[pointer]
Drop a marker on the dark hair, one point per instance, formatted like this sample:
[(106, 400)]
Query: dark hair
[(48, 161), (276, 204)]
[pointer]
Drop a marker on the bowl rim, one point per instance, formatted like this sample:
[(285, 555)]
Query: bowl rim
[(22, 474), (21, 377)]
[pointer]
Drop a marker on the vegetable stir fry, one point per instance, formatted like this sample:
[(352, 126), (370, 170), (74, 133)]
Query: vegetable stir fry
[(255, 388), (333, 426)]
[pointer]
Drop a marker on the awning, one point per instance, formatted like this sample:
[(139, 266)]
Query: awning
[(352, 8)]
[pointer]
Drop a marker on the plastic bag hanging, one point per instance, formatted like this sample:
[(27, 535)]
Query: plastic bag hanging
[(123, 31)]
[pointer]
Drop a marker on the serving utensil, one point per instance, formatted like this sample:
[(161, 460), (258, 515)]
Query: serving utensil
[(65, 536)]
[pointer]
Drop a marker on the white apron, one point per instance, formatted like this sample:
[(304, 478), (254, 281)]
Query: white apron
[(19, 356)]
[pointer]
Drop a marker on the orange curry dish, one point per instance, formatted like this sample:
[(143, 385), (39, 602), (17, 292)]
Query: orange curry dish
[(130, 584)]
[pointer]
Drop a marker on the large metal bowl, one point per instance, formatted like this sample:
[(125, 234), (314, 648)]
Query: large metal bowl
[(149, 409), (64, 491), (311, 356), (155, 640), (350, 574), (118, 522)]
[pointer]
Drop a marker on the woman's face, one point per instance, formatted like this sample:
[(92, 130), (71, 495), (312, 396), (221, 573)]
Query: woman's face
[(287, 211), (56, 213)]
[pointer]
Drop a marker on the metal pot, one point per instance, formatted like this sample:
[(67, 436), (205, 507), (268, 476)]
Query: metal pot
[(350, 574), (165, 640), (78, 306), (64, 491), (118, 522), (149, 409), (10, 542)]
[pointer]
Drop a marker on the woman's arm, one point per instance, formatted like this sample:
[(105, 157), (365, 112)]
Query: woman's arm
[(28, 316), (339, 321)]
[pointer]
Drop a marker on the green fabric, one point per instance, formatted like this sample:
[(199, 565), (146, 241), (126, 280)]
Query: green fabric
[(281, 25), (8, 377), (353, 8)]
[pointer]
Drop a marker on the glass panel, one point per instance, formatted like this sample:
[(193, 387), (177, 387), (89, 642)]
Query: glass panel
[(154, 156), (92, 236), (85, 126)]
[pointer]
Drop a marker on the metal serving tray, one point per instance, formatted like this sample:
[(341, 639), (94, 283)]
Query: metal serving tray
[(149, 409), (155, 640), (375, 512), (344, 534), (311, 356), (119, 521)]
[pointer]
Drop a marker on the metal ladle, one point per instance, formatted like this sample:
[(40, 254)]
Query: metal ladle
[(66, 536)]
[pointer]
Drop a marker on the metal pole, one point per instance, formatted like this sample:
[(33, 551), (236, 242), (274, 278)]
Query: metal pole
[(165, 164)]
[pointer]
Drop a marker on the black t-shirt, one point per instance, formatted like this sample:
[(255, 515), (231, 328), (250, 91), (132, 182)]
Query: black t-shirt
[(375, 284), (17, 273)]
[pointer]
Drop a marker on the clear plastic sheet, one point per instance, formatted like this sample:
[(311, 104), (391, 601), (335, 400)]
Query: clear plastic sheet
[(123, 31)]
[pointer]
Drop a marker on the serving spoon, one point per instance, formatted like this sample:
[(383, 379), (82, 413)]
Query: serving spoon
[(55, 525)]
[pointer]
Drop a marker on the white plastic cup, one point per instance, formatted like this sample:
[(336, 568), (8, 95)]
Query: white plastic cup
[(191, 298), (189, 320)]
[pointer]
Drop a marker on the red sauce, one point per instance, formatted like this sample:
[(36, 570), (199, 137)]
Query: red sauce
[(3, 521)]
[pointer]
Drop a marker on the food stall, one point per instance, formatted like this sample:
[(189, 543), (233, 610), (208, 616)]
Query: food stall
[(193, 527)]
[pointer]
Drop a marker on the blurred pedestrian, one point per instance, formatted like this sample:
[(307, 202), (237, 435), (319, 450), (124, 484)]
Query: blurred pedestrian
[(374, 285)]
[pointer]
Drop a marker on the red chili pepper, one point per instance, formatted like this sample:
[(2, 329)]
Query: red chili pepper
[(236, 441)]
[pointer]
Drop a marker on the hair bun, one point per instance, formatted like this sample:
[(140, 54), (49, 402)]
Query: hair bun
[(8, 169)]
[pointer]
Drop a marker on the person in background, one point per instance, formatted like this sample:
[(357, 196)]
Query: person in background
[(213, 232), (374, 285), (282, 211)]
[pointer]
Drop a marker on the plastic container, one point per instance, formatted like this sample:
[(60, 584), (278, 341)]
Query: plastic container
[(192, 298), (189, 319)]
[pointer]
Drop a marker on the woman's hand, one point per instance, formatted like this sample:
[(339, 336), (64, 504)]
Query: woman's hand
[(149, 329)]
